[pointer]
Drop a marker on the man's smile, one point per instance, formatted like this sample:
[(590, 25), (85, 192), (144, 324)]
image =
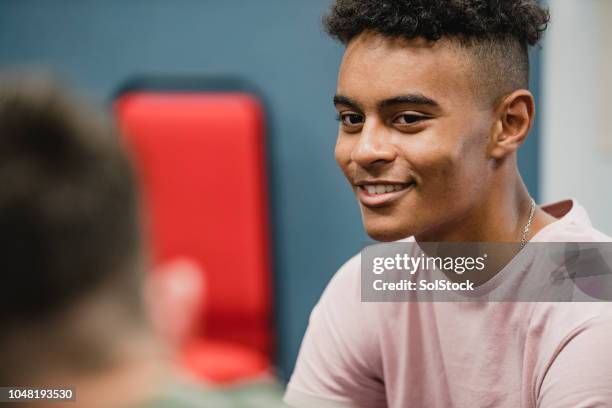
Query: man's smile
[(377, 193)]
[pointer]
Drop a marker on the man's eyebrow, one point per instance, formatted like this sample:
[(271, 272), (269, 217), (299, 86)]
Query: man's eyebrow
[(345, 100), (409, 99)]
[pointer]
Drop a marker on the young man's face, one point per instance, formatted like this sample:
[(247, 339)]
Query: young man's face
[(413, 135)]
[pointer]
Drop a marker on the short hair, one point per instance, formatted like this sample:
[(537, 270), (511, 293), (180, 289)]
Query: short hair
[(498, 32), (69, 225)]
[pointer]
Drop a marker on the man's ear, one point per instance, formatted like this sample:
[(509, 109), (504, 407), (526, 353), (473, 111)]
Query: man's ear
[(175, 295), (513, 119)]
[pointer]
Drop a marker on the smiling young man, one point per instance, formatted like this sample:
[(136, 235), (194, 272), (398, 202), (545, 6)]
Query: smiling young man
[(433, 103)]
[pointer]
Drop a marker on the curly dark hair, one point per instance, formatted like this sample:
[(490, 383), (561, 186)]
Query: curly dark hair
[(523, 20), (498, 31)]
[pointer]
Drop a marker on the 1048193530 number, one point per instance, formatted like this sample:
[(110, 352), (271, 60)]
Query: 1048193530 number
[(15, 394)]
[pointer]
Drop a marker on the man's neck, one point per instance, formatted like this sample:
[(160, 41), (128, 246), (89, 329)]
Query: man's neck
[(500, 217), (139, 374)]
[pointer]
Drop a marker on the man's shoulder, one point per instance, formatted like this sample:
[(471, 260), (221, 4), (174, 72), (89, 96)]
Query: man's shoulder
[(185, 393), (349, 268), (553, 325), (575, 364), (349, 274), (577, 232), (345, 285), (573, 224)]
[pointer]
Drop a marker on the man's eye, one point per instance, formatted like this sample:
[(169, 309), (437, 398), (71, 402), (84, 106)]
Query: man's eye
[(409, 119), (351, 119)]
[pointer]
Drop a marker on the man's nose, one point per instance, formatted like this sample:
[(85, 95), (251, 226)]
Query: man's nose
[(374, 145)]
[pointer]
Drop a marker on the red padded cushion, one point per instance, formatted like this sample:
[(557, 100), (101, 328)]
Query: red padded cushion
[(223, 362)]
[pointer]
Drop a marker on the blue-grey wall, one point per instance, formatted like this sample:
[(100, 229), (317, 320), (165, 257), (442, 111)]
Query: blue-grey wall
[(529, 155), (276, 44)]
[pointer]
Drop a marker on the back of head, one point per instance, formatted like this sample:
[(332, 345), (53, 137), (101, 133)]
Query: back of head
[(496, 32), (69, 233)]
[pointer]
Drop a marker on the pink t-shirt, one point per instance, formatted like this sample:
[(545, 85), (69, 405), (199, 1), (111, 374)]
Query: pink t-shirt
[(457, 354)]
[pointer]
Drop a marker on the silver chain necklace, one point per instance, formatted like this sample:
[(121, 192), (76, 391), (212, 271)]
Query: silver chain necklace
[(528, 225)]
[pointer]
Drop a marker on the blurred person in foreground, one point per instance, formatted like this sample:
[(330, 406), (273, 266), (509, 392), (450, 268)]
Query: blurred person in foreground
[(78, 308), (433, 103)]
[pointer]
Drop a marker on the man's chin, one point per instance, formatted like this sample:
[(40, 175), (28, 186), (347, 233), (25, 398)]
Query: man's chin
[(386, 232)]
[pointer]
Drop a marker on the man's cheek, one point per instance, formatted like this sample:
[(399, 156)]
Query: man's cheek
[(441, 186), (342, 152), (345, 167), (437, 170)]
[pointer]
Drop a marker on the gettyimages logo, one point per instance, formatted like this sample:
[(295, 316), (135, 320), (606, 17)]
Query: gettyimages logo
[(413, 264), (497, 272)]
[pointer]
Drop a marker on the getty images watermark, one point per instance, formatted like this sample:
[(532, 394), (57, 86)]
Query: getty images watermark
[(497, 272)]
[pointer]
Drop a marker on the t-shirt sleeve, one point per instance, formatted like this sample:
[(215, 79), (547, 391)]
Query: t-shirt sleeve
[(339, 362), (580, 376)]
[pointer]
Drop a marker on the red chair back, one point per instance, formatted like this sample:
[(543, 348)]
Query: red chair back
[(201, 159)]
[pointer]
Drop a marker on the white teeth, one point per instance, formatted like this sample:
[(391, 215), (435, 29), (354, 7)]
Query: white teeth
[(384, 188)]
